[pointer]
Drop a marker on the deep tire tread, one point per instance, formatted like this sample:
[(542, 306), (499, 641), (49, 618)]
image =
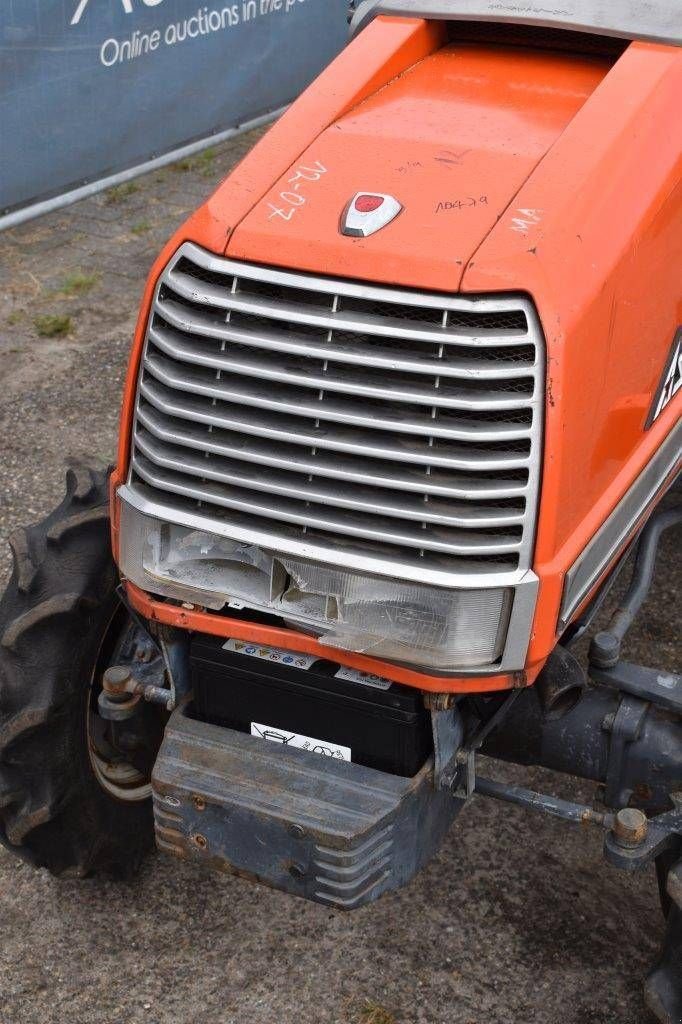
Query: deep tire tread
[(60, 531), (663, 989), (25, 569), (35, 618), (53, 617)]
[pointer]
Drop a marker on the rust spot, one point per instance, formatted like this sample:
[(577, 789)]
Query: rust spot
[(200, 841), (631, 827)]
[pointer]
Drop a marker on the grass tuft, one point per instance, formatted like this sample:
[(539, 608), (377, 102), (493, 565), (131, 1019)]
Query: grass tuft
[(201, 162), (52, 326), (119, 193), (141, 228), (78, 283), (373, 1013)]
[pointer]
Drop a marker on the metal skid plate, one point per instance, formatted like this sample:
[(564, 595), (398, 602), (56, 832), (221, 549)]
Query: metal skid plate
[(330, 831)]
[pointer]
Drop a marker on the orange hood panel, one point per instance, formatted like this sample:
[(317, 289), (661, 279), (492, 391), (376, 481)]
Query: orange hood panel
[(453, 138)]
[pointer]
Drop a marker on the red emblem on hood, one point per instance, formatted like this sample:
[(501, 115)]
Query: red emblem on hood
[(368, 212)]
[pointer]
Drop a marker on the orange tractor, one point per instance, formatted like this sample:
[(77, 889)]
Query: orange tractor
[(403, 397)]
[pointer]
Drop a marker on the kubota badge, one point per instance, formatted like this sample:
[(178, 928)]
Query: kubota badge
[(368, 212)]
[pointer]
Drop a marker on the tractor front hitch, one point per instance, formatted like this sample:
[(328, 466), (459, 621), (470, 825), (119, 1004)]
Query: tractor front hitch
[(344, 833)]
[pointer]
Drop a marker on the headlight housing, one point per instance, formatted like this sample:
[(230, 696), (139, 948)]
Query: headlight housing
[(427, 626)]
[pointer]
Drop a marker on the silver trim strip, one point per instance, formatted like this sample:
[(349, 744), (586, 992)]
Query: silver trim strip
[(386, 566), (197, 483), (341, 286), (355, 472), (341, 437), (205, 327), (655, 20), (348, 382), (604, 546), (252, 394)]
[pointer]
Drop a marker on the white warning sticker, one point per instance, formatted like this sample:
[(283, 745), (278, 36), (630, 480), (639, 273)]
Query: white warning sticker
[(294, 739), (271, 654), (366, 678)]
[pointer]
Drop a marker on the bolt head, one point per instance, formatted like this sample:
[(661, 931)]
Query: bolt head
[(115, 678), (604, 650), (630, 827)]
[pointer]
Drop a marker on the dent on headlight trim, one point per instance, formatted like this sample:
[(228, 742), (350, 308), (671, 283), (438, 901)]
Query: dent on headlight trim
[(522, 596)]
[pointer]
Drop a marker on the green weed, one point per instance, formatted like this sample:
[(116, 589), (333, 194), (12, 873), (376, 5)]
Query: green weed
[(52, 326)]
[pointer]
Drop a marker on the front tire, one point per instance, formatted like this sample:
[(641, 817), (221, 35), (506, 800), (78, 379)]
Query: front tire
[(664, 985), (58, 618)]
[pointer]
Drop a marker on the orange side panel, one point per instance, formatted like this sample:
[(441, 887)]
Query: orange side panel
[(600, 257)]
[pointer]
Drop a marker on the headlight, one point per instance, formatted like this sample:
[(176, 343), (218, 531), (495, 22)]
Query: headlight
[(421, 625)]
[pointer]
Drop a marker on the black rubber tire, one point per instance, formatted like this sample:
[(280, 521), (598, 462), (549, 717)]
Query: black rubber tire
[(54, 618), (663, 989)]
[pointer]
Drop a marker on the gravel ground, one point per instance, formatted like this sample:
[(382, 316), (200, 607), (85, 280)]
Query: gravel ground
[(518, 920)]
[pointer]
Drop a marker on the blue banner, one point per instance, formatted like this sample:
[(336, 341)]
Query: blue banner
[(89, 88)]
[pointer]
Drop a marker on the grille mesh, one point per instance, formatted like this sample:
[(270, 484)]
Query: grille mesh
[(398, 426)]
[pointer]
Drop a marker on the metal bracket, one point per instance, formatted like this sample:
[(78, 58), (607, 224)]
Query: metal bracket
[(448, 734), (174, 646), (662, 832), (661, 688), (625, 727), (171, 644), (464, 783)]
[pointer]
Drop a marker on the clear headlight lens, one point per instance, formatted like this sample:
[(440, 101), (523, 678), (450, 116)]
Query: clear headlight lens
[(421, 625)]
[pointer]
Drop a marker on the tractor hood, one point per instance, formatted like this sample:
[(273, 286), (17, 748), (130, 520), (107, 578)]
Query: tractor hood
[(452, 139)]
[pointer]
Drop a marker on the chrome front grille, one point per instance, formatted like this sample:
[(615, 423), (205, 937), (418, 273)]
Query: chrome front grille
[(318, 415)]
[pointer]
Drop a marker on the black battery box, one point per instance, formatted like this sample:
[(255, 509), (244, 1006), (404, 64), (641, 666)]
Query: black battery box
[(297, 701)]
